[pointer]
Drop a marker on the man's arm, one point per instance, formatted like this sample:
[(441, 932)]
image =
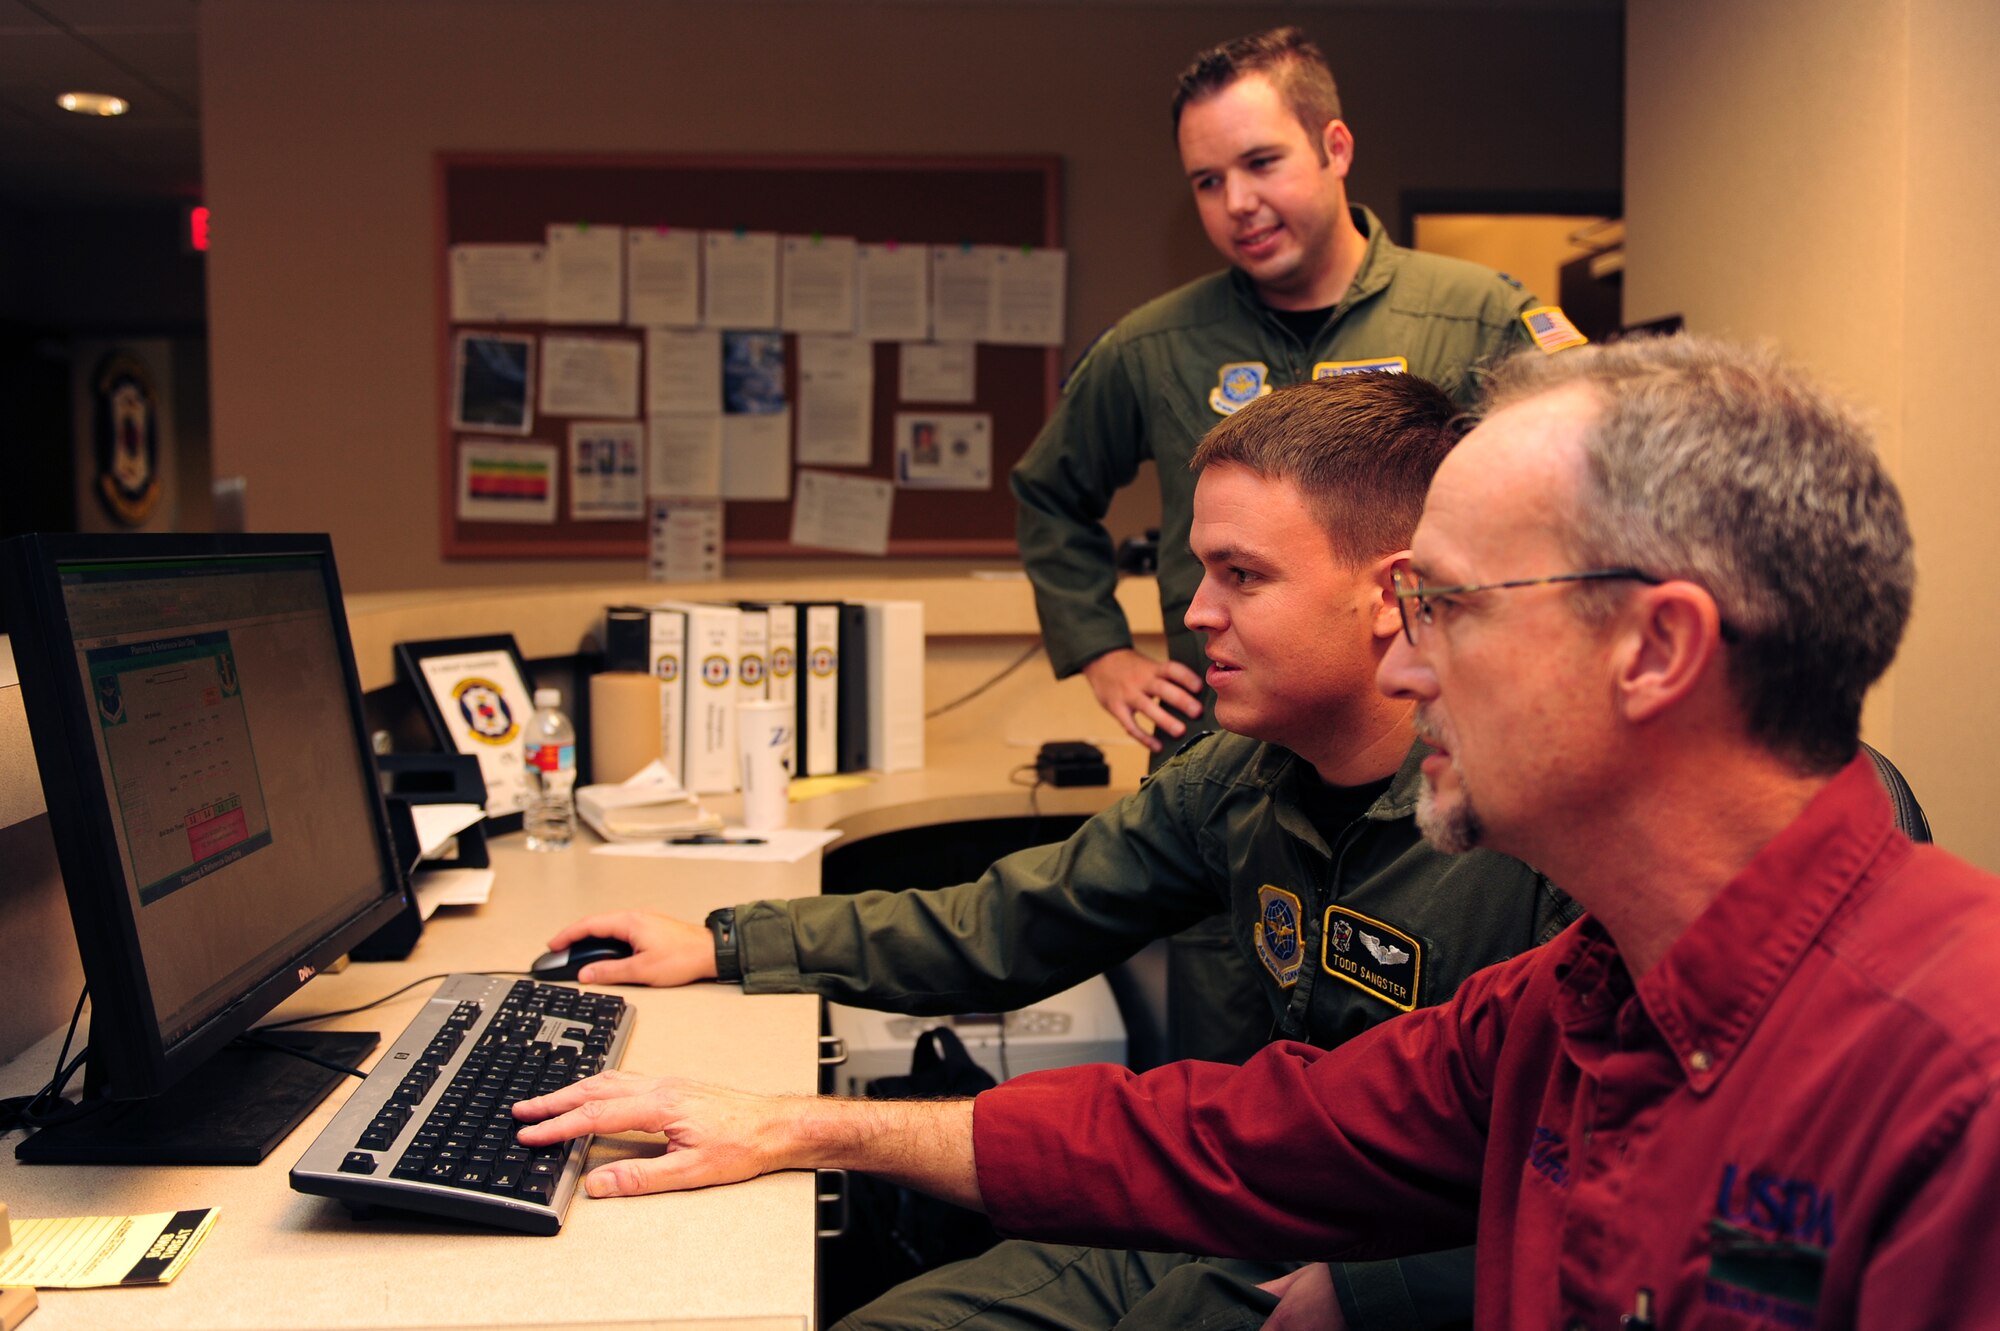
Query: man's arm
[(1036, 923), (714, 1135), (1374, 1149), (1088, 450)]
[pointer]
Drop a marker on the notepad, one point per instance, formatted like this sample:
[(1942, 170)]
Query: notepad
[(648, 807)]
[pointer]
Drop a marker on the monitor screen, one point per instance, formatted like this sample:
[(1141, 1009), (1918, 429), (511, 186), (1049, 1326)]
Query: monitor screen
[(198, 726)]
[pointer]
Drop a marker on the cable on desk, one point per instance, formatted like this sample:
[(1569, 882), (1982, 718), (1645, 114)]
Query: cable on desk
[(250, 1040), (1034, 797), (963, 699), (46, 1106)]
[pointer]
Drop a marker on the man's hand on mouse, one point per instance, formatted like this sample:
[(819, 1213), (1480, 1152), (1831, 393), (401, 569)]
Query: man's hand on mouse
[(665, 951)]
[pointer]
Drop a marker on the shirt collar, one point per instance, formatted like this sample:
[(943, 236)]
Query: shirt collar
[(1719, 977), (1378, 269)]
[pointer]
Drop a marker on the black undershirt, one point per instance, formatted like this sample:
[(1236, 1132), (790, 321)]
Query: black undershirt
[(1304, 324), (1331, 808)]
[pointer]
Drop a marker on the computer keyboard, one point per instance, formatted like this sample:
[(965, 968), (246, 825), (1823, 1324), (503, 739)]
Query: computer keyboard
[(431, 1129)]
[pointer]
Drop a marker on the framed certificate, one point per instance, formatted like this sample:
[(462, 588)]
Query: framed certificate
[(477, 695)]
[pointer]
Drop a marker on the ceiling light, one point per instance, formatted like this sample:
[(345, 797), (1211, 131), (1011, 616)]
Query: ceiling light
[(93, 104)]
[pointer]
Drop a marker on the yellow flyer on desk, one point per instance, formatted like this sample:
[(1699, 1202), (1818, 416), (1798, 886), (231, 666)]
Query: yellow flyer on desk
[(91, 1252)]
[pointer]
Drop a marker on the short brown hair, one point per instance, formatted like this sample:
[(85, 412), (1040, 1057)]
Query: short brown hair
[(1360, 447), (1284, 55)]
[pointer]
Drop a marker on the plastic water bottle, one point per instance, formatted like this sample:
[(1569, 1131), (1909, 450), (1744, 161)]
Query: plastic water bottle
[(550, 820)]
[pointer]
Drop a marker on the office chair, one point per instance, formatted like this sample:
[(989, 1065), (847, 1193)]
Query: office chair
[(1910, 818)]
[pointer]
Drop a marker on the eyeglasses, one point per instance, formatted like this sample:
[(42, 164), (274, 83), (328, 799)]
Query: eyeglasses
[(1407, 591)]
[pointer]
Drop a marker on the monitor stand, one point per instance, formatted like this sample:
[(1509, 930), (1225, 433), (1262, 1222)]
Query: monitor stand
[(232, 1110)]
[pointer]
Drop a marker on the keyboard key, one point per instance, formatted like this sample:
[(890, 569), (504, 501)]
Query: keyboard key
[(358, 1162)]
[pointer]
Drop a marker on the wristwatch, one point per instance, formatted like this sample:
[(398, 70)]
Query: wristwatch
[(728, 962)]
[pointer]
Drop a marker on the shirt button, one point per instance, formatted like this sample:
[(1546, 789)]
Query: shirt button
[(1700, 1061)]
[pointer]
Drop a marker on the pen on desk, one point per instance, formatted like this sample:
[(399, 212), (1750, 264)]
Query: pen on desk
[(712, 839)]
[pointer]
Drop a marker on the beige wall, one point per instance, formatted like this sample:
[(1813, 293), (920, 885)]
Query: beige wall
[(1820, 173), (320, 118)]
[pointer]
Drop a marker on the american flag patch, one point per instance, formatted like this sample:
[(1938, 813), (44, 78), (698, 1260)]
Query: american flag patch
[(1551, 329)]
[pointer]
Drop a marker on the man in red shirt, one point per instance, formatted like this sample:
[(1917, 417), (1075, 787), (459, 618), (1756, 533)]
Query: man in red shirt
[(1753, 1088)]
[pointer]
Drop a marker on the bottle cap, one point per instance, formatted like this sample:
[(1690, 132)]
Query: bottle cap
[(548, 697)]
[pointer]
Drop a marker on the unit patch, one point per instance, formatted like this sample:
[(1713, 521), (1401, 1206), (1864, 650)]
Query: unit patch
[(483, 705), (1371, 955), (1326, 369), (1277, 935), (1238, 384), (1551, 329)]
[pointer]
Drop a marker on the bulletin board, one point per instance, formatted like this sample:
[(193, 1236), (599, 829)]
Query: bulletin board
[(1011, 201)]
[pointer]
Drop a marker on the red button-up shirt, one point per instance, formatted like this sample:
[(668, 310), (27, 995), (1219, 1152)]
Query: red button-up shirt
[(1788, 1122)]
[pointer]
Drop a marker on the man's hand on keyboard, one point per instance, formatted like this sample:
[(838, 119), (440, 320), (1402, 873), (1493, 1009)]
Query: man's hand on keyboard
[(715, 1135), (665, 951)]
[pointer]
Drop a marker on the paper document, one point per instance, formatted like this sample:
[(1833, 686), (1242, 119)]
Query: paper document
[(740, 271), (684, 456), (500, 481), (937, 372), (961, 292), (848, 513), (1028, 287), (604, 480), (755, 457), (686, 540), (662, 277), (590, 376), (92, 1252), (451, 887), (437, 824), (756, 422), (683, 370), (944, 450), (499, 282), (836, 401), (586, 274), (892, 292), (782, 845), (817, 284)]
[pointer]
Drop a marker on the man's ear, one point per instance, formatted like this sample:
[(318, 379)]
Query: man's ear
[(1337, 141), (1670, 643), (1388, 620)]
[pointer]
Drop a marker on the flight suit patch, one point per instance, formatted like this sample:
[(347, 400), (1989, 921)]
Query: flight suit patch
[(1238, 384), (1277, 935), (1373, 956), (1326, 369), (1551, 329)]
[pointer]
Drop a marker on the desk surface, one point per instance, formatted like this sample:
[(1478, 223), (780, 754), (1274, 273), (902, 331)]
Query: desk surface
[(278, 1258)]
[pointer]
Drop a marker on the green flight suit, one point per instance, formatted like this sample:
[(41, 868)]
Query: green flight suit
[(1149, 389), (1224, 826)]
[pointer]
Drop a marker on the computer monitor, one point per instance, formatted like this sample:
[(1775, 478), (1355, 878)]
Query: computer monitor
[(197, 721)]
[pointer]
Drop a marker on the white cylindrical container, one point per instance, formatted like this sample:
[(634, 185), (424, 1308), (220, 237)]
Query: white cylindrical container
[(764, 730)]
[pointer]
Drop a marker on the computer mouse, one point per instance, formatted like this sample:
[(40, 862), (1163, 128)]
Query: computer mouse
[(564, 963)]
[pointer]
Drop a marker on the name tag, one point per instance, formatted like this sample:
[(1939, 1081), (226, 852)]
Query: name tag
[(1326, 369), (1371, 955)]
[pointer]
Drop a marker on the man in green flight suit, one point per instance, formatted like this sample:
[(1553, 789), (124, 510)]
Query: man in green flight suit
[(1300, 825), (1314, 288)]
